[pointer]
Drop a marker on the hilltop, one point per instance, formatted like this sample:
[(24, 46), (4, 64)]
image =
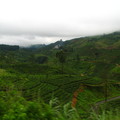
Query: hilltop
[(106, 41)]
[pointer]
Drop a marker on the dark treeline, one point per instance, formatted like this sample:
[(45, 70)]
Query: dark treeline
[(9, 47)]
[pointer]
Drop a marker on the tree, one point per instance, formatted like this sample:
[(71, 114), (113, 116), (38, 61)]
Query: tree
[(106, 81), (31, 58), (61, 55), (41, 59), (77, 58)]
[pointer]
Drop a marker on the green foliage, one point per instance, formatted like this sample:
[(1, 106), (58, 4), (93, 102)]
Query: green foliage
[(109, 115), (116, 70), (17, 108)]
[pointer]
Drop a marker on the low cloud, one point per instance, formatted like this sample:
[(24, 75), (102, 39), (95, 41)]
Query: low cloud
[(28, 22), (24, 40)]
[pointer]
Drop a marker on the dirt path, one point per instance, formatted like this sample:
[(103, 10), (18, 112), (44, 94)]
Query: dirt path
[(75, 94), (110, 99), (96, 106)]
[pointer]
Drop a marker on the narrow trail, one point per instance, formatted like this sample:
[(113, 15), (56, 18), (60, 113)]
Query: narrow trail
[(96, 106), (108, 100)]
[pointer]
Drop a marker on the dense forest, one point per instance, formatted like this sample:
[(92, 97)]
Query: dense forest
[(78, 79)]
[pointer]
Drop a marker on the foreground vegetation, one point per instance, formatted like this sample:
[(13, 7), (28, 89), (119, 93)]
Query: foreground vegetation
[(14, 107)]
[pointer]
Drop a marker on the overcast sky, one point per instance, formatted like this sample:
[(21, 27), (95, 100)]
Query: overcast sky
[(26, 22)]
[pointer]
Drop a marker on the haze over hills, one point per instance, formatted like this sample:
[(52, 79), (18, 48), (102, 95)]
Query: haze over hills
[(106, 41)]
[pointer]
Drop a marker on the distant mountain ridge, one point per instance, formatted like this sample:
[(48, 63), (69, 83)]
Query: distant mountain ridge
[(106, 41)]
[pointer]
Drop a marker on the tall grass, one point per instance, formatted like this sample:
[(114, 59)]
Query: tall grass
[(106, 115)]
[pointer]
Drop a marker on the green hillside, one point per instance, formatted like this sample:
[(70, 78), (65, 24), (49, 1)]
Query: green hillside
[(62, 80)]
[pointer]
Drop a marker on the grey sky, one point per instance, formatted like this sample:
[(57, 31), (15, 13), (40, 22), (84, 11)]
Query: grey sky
[(26, 22)]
